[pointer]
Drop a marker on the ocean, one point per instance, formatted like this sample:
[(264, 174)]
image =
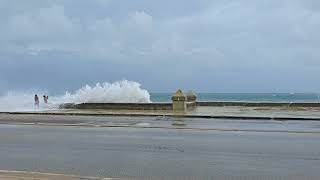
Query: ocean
[(131, 92), (250, 97)]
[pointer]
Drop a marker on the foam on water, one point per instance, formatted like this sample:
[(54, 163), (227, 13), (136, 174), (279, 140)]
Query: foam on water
[(117, 92)]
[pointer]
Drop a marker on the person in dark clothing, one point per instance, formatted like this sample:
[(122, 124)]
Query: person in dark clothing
[(36, 101)]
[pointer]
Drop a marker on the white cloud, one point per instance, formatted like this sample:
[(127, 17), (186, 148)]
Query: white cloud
[(142, 20), (229, 30)]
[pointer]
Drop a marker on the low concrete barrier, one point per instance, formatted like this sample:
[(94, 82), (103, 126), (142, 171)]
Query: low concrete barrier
[(259, 104), (119, 106), (181, 103), (125, 106), (169, 106)]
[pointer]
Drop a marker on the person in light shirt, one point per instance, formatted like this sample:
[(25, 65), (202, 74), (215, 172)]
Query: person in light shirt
[(45, 99)]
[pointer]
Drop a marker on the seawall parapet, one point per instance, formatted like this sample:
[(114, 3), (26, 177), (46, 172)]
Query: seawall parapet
[(119, 106), (257, 104), (187, 105), (183, 102)]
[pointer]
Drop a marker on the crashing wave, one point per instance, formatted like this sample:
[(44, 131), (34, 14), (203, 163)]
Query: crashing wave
[(118, 92)]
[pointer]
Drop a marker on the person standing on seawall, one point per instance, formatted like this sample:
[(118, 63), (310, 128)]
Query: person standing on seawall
[(45, 99), (36, 101)]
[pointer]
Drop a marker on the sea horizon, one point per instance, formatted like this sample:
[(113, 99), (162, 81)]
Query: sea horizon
[(250, 97)]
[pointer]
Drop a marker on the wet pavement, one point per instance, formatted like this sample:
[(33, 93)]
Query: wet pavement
[(258, 125), (225, 111), (290, 112), (231, 149)]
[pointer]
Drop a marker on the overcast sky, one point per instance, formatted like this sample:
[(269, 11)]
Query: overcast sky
[(204, 45)]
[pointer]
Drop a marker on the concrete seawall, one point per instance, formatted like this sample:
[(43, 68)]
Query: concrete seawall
[(168, 106), (259, 104), (124, 106), (119, 106), (216, 110)]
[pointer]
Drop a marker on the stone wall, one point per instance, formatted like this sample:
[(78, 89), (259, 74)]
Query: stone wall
[(119, 106), (169, 106), (180, 102), (258, 104)]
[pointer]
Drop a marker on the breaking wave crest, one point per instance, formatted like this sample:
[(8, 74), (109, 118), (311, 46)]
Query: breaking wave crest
[(117, 92)]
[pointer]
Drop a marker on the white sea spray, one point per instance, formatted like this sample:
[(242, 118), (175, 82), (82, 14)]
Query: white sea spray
[(118, 92)]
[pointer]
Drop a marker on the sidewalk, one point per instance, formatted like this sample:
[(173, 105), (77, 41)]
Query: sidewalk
[(229, 112)]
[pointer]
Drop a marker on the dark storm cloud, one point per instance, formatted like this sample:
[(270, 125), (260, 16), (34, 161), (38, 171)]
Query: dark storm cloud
[(221, 45)]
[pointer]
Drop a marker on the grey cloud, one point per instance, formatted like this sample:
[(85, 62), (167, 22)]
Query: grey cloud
[(209, 40)]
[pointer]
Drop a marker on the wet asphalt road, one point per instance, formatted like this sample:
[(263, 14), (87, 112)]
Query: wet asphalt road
[(144, 153)]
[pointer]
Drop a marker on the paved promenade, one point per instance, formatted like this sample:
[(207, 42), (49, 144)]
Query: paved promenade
[(229, 112)]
